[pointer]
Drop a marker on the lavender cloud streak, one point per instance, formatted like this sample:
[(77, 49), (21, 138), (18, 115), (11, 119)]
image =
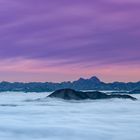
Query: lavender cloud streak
[(98, 32)]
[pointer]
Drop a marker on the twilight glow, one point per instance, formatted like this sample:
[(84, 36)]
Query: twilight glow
[(57, 40)]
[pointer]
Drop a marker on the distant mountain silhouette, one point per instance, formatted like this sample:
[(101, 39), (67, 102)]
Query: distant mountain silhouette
[(92, 83)]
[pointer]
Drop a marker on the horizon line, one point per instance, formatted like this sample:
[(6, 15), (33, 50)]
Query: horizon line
[(85, 78)]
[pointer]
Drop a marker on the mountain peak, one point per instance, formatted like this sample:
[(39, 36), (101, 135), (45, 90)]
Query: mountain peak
[(81, 79), (94, 78)]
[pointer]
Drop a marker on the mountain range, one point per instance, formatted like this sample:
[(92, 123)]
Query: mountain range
[(92, 83)]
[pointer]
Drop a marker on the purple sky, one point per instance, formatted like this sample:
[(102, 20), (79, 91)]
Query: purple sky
[(56, 40)]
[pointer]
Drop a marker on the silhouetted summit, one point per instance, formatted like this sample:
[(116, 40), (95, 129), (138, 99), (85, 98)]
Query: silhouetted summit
[(95, 79)]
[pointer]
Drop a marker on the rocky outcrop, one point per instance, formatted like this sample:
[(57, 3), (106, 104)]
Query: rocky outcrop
[(69, 94)]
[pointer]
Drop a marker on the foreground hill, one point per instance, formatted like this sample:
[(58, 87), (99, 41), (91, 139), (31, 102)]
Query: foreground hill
[(82, 84), (70, 94)]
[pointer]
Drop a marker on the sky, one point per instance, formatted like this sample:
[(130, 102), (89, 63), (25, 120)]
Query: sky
[(62, 40)]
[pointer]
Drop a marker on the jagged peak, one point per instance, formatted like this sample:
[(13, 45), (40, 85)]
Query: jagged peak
[(95, 78), (81, 79)]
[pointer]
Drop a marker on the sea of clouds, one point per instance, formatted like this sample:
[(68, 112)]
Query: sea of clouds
[(52, 119)]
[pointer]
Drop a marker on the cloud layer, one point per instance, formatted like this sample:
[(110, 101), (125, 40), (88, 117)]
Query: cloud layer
[(78, 33)]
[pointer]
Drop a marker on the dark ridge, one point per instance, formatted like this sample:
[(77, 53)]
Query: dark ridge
[(70, 94)]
